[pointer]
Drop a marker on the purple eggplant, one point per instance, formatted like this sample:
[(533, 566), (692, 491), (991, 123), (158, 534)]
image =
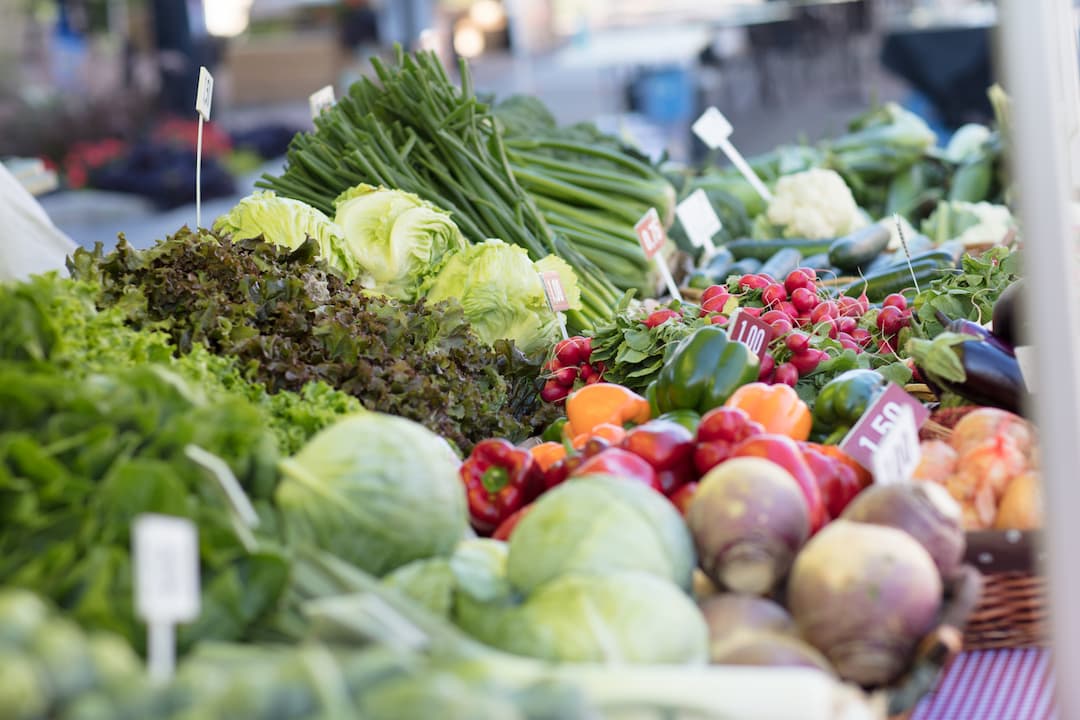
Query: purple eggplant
[(974, 329), (984, 373)]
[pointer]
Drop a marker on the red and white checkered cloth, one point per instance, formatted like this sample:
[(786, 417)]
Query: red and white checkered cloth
[(993, 685)]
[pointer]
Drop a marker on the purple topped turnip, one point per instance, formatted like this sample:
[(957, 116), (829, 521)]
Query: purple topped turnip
[(864, 595), (766, 649), (732, 613), (923, 510)]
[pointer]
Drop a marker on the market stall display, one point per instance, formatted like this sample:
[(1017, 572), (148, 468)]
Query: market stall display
[(452, 508)]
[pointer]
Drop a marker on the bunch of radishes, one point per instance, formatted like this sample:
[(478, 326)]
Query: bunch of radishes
[(798, 312), (569, 368)]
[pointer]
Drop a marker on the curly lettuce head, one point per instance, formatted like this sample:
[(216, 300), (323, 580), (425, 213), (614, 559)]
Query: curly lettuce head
[(398, 238), (288, 223), (502, 294)]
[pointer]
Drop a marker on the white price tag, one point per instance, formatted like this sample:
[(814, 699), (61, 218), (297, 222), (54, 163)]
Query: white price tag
[(713, 128), (166, 562), (698, 219), (556, 297), (205, 95), (1025, 358), (651, 235), (898, 451), (321, 100)]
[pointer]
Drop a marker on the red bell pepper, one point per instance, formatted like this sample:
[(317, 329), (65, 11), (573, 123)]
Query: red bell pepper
[(507, 526), (620, 463), (720, 431), (838, 482), (681, 498), (668, 447), (499, 479), (783, 451)]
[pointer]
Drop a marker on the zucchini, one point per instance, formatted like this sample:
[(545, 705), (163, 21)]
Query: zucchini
[(765, 249), (746, 266), (781, 263), (860, 247), (899, 277)]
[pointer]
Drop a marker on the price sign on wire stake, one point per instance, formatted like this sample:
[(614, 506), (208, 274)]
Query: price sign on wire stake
[(651, 235), (165, 550), (699, 220), (752, 332), (898, 451), (556, 297), (321, 100), (715, 131), (204, 96), (866, 440)]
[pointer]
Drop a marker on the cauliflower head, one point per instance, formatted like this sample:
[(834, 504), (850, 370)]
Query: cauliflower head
[(814, 204)]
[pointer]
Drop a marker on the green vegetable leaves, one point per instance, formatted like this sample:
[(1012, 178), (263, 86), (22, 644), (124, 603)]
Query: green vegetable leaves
[(969, 295)]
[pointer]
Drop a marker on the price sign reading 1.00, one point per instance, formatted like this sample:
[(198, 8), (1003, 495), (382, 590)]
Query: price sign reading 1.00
[(752, 332)]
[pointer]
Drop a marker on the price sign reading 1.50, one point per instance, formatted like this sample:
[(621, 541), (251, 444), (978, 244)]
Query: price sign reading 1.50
[(894, 407), (750, 331)]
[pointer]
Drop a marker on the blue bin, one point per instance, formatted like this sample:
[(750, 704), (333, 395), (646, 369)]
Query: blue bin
[(665, 95)]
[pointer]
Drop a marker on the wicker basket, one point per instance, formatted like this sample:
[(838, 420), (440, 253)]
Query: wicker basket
[(1012, 612)]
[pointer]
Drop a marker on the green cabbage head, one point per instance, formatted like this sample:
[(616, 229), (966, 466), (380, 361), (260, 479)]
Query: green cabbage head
[(502, 293), (615, 617), (288, 223), (596, 524), (397, 238), (376, 490)]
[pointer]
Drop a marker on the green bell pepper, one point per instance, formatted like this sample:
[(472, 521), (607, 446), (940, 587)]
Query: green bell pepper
[(844, 400), (687, 418), (703, 371), (554, 431)]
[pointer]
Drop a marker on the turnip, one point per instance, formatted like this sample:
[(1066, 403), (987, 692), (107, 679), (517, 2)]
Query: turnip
[(864, 595), (765, 649), (748, 519), (731, 614), (923, 510)]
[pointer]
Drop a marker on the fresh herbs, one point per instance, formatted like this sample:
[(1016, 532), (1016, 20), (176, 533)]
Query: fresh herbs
[(969, 294), (288, 322)]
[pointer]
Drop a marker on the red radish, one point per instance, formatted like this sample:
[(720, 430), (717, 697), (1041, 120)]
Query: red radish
[(849, 306), (718, 320), (805, 363), (798, 279), (553, 392), (772, 315), (754, 282), (848, 343), (886, 348), (659, 317), (831, 327), (768, 364), (864, 302), (573, 351), (788, 308), (786, 374), (712, 291), (798, 342), (810, 272), (773, 295), (782, 326), (846, 324), (804, 300), (716, 303), (587, 372), (599, 367), (861, 336), (751, 311), (825, 311), (890, 320), (895, 300), (566, 376)]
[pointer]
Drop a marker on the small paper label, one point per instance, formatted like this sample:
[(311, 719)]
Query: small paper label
[(752, 332), (553, 288), (712, 127), (698, 218), (205, 95), (898, 451), (650, 232), (321, 100), (166, 561), (864, 440), (1025, 358)]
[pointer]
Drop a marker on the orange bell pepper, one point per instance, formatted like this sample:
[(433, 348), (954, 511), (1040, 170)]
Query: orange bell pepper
[(863, 475), (547, 454), (602, 403), (777, 407), (613, 434)]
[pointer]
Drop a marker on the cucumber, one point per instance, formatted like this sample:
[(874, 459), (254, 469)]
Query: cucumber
[(817, 262), (881, 262), (765, 249), (720, 262), (746, 266), (917, 245), (700, 280), (943, 255), (899, 278), (781, 263), (860, 247)]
